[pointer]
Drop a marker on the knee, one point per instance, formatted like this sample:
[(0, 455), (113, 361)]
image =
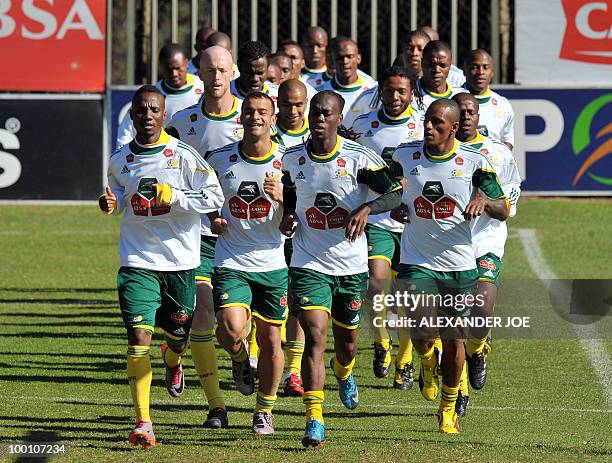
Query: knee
[(139, 337)]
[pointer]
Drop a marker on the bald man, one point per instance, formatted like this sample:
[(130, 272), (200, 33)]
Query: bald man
[(211, 124), (455, 75), (200, 44), (180, 88), (314, 43), (274, 73), (496, 113), (443, 176), (291, 124)]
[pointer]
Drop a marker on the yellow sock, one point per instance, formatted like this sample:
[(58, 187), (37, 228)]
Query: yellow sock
[(404, 353), (139, 375), (463, 382), (171, 358), (438, 343), (386, 343), (252, 340), (313, 401), (205, 360), (265, 403), (474, 345), (342, 371), (241, 356), (294, 351), (449, 397)]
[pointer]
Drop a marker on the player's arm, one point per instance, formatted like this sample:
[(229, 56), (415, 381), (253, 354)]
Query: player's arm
[(287, 225), (379, 180), (512, 186), (507, 133), (203, 193), (493, 201)]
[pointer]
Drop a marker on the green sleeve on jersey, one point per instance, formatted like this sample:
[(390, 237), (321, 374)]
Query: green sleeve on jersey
[(396, 170), (488, 183), (378, 180)]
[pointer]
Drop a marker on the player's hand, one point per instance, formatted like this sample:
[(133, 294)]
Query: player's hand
[(218, 226), (355, 222), (108, 201), (287, 225), (476, 207), (400, 214), (273, 188), (163, 194)]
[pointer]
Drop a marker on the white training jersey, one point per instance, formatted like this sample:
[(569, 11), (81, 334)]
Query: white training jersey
[(313, 77), (328, 188), (496, 117), (176, 99), (456, 77), (155, 237), (383, 134), (367, 102), (488, 234), (206, 132), (428, 97), (438, 189), (268, 88), (350, 93), (289, 138), (252, 241), (193, 68)]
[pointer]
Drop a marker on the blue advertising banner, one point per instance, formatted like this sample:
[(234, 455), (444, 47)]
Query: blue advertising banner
[(563, 140)]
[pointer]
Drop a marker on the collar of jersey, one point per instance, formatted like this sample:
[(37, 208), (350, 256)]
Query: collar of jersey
[(442, 157), (325, 157), (179, 91), (357, 85), (294, 133), (312, 72), (398, 120), (477, 142), (252, 160), (438, 96), (151, 148), (484, 97), (222, 117)]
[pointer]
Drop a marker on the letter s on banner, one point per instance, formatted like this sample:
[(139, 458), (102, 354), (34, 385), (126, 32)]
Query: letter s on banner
[(544, 141), (9, 162)]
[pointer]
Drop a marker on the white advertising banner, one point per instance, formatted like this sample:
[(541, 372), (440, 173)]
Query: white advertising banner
[(563, 41)]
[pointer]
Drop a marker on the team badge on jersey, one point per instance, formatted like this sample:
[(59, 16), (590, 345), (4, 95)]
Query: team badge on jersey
[(193, 117), (233, 158), (416, 155), (129, 158), (459, 160), (484, 151), (302, 160), (375, 124)]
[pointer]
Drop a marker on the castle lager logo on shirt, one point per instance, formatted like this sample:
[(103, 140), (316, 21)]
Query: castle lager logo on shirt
[(248, 203), (143, 200), (168, 152), (325, 213), (459, 160), (593, 148), (411, 125), (341, 162), (433, 203), (277, 164), (588, 31)]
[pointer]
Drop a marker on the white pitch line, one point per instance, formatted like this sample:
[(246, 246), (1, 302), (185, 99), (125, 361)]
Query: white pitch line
[(586, 333), (92, 400)]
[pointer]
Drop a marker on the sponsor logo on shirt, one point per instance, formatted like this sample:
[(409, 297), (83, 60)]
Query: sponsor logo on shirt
[(191, 131), (125, 169), (341, 162), (230, 175), (300, 176), (168, 152), (172, 164), (415, 171), (369, 133), (277, 164), (325, 213), (459, 160)]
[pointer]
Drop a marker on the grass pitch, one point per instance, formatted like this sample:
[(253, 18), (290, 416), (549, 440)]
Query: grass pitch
[(63, 363)]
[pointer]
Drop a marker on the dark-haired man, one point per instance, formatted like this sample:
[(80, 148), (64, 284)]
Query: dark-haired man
[(253, 60), (250, 273), (163, 185), (327, 183), (437, 259)]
